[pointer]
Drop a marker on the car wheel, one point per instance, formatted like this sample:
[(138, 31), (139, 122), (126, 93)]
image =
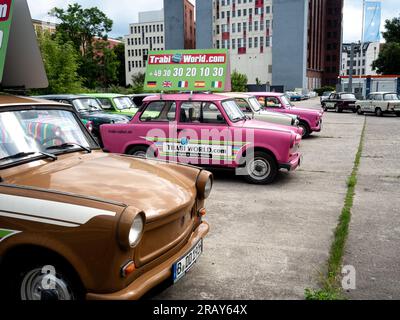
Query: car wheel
[(306, 129), (324, 107), (40, 281), (140, 152), (261, 168), (398, 114), (338, 109), (359, 112), (378, 112)]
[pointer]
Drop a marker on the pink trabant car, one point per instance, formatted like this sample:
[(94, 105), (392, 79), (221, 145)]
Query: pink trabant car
[(310, 120), (206, 130)]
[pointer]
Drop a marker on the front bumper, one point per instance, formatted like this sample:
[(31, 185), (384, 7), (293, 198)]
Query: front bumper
[(155, 276), (318, 127), (294, 162)]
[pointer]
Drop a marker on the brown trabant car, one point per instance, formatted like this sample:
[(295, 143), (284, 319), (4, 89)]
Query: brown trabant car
[(79, 223)]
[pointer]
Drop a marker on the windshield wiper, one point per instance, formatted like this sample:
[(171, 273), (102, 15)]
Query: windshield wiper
[(27, 154), (70, 145)]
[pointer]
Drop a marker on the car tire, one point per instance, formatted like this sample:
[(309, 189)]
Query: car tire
[(324, 107), (378, 112), (26, 282), (261, 168), (306, 129), (398, 114), (359, 112), (337, 109), (140, 152)]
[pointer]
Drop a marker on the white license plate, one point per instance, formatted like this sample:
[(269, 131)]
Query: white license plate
[(180, 268)]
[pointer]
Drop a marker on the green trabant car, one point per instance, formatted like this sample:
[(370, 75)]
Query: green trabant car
[(116, 103)]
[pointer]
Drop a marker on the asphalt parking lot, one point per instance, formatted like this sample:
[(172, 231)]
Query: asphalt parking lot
[(271, 242)]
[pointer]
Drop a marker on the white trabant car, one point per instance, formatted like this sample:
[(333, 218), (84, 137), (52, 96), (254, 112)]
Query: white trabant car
[(380, 103), (251, 107)]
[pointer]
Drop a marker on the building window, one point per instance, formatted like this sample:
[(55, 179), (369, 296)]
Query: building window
[(250, 43), (233, 27), (262, 25), (268, 24), (218, 44), (244, 26), (244, 12), (218, 29), (223, 15), (233, 43), (129, 41), (256, 42), (261, 42), (268, 10), (239, 13), (255, 25), (268, 41), (239, 27)]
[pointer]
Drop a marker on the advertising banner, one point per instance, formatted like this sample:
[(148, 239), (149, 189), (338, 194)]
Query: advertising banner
[(372, 21), (6, 10), (188, 70)]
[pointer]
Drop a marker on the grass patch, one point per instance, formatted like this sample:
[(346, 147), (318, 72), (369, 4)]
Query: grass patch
[(330, 283)]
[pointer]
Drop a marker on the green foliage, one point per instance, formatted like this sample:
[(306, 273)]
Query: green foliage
[(61, 64), (392, 33), (388, 61), (81, 26), (107, 64), (320, 91), (119, 51), (322, 295), (138, 82), (239, 82)]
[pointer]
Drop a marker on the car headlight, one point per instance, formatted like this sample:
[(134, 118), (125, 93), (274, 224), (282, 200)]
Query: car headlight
[(204, 184), (136, 231), (130, 229)]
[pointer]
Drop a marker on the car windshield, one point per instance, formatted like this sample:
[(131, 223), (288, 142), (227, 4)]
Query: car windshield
[(348, 96), (233, 111), (255, 104), (27, 134), (124, 103), (326, 94), (87, 105), (391, 96), (286, 101)]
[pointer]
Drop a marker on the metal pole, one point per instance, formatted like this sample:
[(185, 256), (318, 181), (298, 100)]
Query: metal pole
[(350, 89)]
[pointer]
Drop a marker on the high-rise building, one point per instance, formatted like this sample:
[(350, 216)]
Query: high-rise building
[(289, 43), (180, 26), (44, 26), (146, 35)]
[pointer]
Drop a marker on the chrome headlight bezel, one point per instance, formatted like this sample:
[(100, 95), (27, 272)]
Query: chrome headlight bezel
[(204, 184)]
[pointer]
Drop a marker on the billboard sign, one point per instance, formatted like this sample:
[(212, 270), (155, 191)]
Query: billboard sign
[(188, 70), (372, 21)]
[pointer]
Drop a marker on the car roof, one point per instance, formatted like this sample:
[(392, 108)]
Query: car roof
[(10, 100), (187, 96), (383, 92), (61, 96), (270, 94), (236, 95), (105, 95)]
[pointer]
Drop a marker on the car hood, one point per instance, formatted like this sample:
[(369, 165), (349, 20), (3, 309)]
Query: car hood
[(257, 124), (304, 111), (276, 114), (102, 116), (150, 186)]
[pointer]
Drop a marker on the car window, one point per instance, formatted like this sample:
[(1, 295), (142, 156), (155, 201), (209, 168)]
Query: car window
[(261, 101), (378, 97), (256, 105), (34, 131), (200, 112), (348, 96), (159, 111), (370, 97), (123, 103), (391, 97), (106, 103), (243, 105), (273, 102), (86, 104), (332, 96)]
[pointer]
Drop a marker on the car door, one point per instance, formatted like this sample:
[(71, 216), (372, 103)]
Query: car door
[(156, 125), (204, 136)]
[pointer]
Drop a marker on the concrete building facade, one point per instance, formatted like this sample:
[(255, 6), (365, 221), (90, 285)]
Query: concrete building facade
[(146, 35), (289, 43), (364, 56), (180, 27)]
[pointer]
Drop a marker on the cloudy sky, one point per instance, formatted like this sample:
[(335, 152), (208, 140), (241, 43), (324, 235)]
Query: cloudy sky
[(123, 12)]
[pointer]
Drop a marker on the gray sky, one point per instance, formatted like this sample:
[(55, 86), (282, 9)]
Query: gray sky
[(123, 12)]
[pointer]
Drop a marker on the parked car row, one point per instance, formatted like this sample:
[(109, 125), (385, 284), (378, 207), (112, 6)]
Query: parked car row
[(378, 103), (63, 197)]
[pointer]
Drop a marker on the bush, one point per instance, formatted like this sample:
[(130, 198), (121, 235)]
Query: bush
[(320, 91)]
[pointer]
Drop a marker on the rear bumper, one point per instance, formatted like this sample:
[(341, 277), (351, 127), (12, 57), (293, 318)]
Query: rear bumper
[(294, 162), (156, 275)]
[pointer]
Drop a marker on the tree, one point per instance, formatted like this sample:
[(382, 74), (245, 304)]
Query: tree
[(61, 64), (392, 33), (81, 26), (119, 51), (107, 63), (138, 82), (388, 61), (239, 82)]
